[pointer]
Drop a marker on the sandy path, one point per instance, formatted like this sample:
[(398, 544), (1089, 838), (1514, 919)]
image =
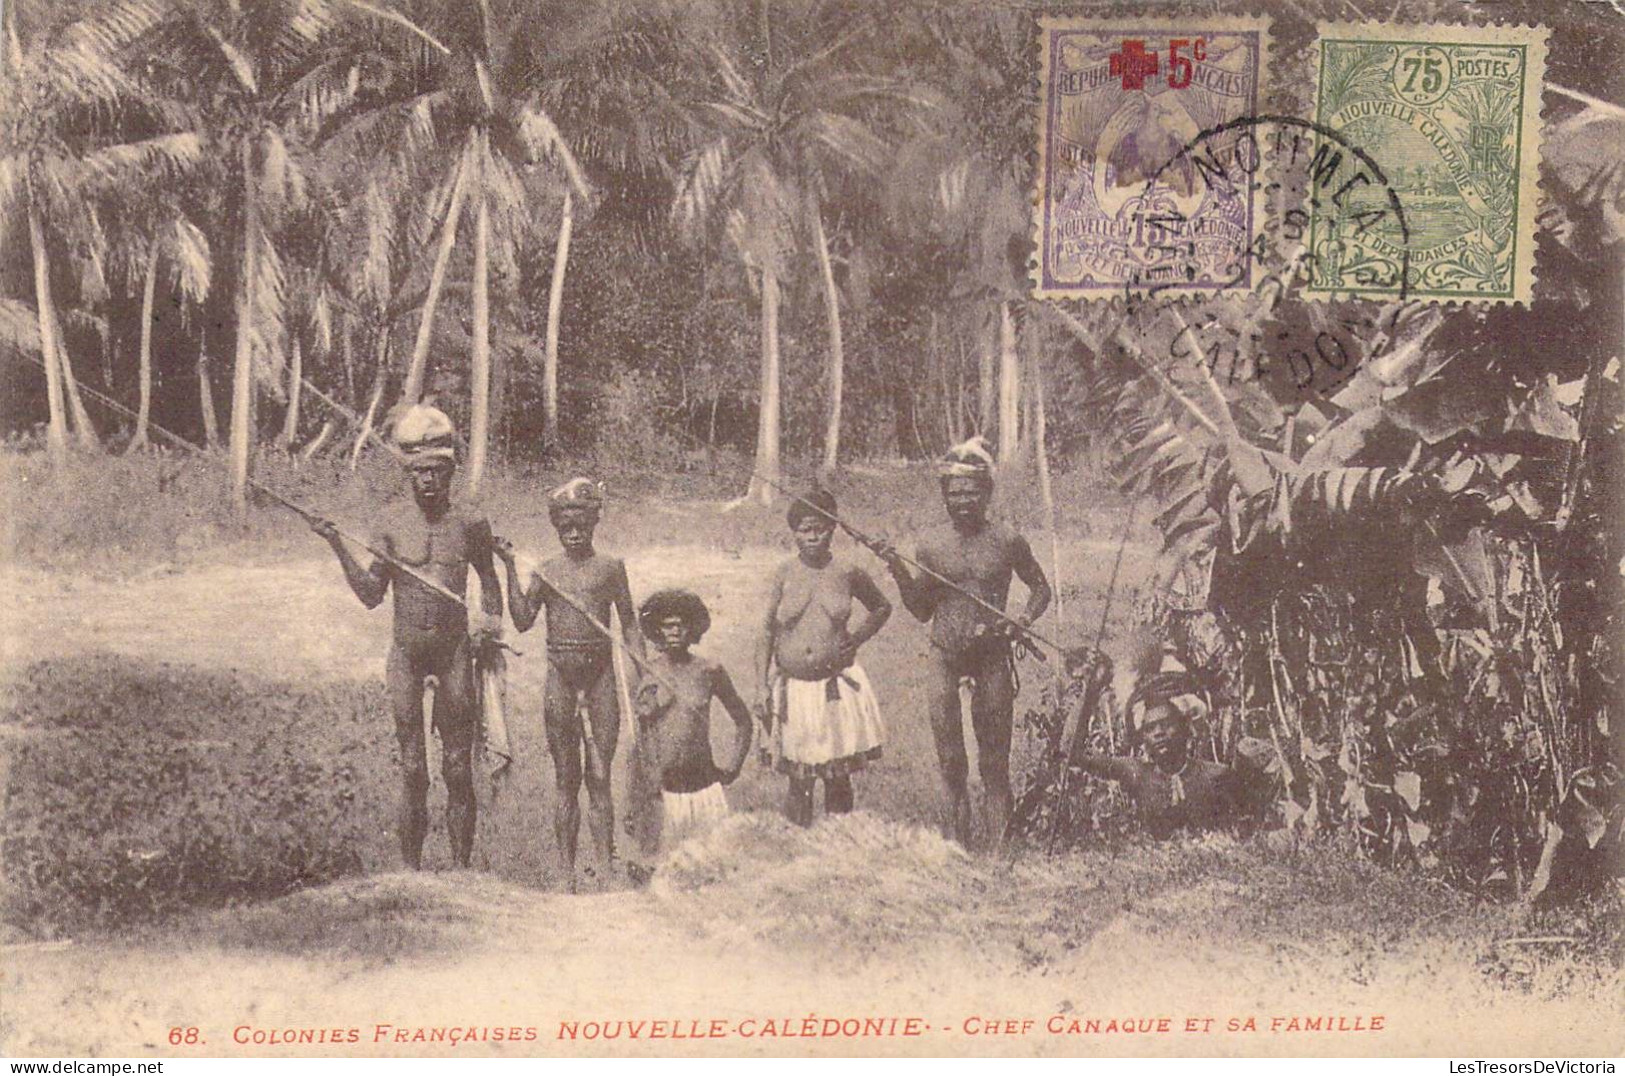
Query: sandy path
[(504, 956)]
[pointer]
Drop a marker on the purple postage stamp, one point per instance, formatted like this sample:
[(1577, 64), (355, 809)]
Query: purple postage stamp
[(1122, 99)]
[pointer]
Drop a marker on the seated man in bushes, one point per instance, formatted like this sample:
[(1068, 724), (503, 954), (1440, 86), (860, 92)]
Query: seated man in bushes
[(1174, 790), (440, 542)]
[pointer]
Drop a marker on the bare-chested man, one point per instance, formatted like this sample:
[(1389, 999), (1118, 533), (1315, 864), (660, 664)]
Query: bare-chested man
[(1174, 790), (580, 664), (968, 642), (431, 631), (812, 689)]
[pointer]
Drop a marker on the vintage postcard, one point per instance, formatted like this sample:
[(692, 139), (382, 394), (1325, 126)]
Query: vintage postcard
[(1452, 116), (666, 529)]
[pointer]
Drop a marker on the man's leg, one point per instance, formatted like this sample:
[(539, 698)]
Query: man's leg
[(455, 718), (604, 711), (563, 724), (942, 696), (992, 713), (798, 800), (405, 684), (838, 795)]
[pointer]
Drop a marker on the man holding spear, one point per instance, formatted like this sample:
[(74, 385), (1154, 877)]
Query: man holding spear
[(961, 588), (424, 549), (578, 589)]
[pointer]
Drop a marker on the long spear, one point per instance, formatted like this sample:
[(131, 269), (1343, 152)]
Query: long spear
[(874, 543), (586, 614), (310, 515)]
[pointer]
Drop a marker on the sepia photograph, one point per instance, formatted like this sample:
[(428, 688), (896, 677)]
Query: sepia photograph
[(812, 528)]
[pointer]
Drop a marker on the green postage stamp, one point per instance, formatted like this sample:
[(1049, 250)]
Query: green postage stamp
[(1451, 115)]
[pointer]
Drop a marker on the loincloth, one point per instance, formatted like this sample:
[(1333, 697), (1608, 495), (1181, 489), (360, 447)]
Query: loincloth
[(688, 814), (580, 666)]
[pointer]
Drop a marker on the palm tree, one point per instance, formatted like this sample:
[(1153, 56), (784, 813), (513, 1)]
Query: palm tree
[(59, 149), (469, 95), (270, 75), (165, 236), (779, 120), (961, 182)]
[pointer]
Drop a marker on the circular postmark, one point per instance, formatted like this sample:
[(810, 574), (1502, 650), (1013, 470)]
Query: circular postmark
[(1285, 195)]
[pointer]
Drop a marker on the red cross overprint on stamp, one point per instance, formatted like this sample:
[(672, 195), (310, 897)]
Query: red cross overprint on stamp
[(1120, 98)]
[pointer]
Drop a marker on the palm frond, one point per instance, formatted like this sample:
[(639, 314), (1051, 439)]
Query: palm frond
[(163, 158), (734, 82), (851, 141), (395, 17), (237, 61), (379, 225), (19, 326), (188, 251), (541, 136), (267, 326), (699, 182)]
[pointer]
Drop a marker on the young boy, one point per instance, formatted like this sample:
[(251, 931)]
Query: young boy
[(580, 665), (827, 719), (677, 785)]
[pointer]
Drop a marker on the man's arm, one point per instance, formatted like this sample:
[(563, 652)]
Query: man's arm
[(480, 548), (764, 644), (1030, 572), (1125, 770), (723, 688), (369, 583), (629, 616), (877, 609), (522, 606), (919, 592)]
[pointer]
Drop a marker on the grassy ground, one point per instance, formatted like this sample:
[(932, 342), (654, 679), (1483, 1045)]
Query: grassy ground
[(168, 676)]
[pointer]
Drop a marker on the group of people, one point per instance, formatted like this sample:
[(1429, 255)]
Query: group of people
[(808, 693)]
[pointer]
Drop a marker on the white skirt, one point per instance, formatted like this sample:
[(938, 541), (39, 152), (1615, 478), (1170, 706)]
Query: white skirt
[(828, 728), (688, 814)]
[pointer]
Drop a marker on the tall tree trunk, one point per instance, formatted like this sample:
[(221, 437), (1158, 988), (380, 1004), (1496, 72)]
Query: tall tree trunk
[(347, 350), (205, 392), (479, 409), (84, 431), (987, 381), (56, 433), (242, 372), (375, 395), (767, 424), (837, 354), (1046, 492), (149, 295), (1009, 386), (296, 377), (555, 309), (412, 387)]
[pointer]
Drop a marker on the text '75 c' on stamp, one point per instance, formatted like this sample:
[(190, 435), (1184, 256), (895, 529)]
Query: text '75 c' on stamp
[(1451, 115), (1121, 98)]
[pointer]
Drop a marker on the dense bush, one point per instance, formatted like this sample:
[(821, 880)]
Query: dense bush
[(137, 790)]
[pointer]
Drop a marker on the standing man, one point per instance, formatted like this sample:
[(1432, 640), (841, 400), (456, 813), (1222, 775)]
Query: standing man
[(440, 542), (577, 589), (968, 642)]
